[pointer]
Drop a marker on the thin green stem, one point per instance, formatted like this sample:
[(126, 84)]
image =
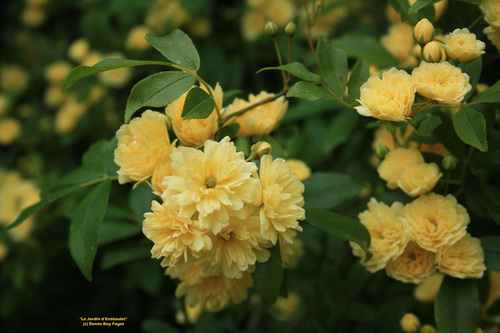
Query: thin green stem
[(475, 22), (264, 101), (95, 181), (278, 53)]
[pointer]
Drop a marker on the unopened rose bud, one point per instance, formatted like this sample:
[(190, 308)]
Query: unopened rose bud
[(410, 323), (260, 149), (381, 151), (291, 29), (271, 29), (434, 52), (423, 32), (449, 163)]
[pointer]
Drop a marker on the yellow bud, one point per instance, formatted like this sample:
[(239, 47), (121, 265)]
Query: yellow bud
[(260, 149), (409, 323), (423, 31), (433, 52)]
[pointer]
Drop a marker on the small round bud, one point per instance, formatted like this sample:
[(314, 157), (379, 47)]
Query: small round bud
[(410, 323), (423, 32), (449, 163), (291, 29), (428, 329), (271, 29), (433, 52), (260, 149), (381, 151)]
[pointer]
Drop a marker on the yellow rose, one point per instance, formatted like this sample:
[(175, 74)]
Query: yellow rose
[(136, 39), (388, 237), (399, 42), (286, 308), (279, 11), (388, 98), (434, 52), (252, 25), (261, 119), (461, 44), (142, 145), (464, 259), (10, 129), (33, 16), (57, 71), (54, 96), (394, 164), (434, 221), (194, 132), (419, 178), (69, 114), (493, 35), (443, 82), (427, 290), (394, 17), (79, 49), (410, 323), (413, 266), (14, 78), (300, 168), (491, 9)]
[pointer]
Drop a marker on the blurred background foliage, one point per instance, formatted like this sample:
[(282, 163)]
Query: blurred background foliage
[(40, 286)]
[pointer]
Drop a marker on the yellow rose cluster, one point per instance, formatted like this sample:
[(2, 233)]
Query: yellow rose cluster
[(218, 212), (413, 241), (491, 9)]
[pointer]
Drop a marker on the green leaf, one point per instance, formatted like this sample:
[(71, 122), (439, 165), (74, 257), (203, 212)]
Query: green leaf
[(100, 157), (333, 65), (230, 130), (326, 190), (339, 129), (80, 175), (360, 73), (268, 276), (419, 4), (428, 125), (470, 126), (491, 248), (178, 48), (365, 47), (297, 69), (139, 200), (198, 104), (111, 231), (447, 136), (125, 253), (473, 69), (474, 2), (340, 226), (158, 90), (80, 72), (456, 307), (27, 212), (309, 92), (491, 95), (84, 229)]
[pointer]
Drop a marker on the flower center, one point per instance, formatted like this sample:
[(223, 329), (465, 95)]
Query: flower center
[(210, 182), (226, 235)]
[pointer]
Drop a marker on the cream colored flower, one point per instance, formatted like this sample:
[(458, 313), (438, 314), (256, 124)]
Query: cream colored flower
[(178, 240), (434, 221), (388, 98), (326, 21), (212, 292), (419, 178), (57, 71), (92, 58), (116, 78), (69, 114), (54, 96), (427, 290), (410, 323), (388, 237), (461, 44), (399, 42), (194, 132), (79, 49), (413, 266), (142, 145), (281, 198), (136, 39), (10, 130), (261, 119), (464, 259), (394, 17), (214, 182), (33, 16), (279, 11), (252, 25), (161, 170), (300, 168), (395, 162), (166, 14), (493, 35), (14, 78), (443, 82), (491, 9), (286, 308)]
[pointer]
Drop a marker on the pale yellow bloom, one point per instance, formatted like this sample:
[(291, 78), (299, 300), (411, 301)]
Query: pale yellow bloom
[(14, 78), (427, 290), (442, 82), (279, 11), (33, 16), (160, 171), (413, 266), (166, 14), (194, 132), (54, 96), (136, 39), (388, 98), (116, 78), (388, 237), (461, 44), (326, 21), (69, 114), (410, 323), (286, 308), (281, 198), (200, 27), (92, 58), (79, 49), (300, 168), (261, 119), (10, 130), (179, 240), (395, 162), (214, 182), (428, 329), (491, 9), (464, 259), (57, 71), (493, 35), (252, 25), (394, 17), (399, 42), (142, 145), (423, 32), (419, 178), (434, 221)]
